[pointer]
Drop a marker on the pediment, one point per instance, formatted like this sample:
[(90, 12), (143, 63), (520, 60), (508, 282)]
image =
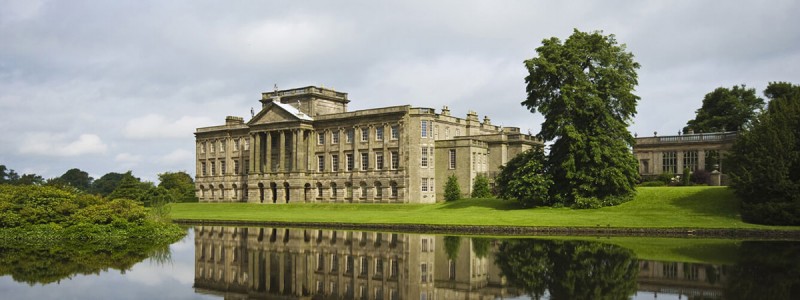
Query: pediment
[(272, 113)]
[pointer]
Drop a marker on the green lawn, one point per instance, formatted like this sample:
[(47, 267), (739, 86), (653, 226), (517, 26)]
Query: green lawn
[(653, 207)]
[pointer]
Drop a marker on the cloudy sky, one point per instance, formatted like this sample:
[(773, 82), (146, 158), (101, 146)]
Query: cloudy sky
[(121, 85)]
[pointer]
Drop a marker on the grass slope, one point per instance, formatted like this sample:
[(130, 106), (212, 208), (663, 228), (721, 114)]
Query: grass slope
[(653, 207)]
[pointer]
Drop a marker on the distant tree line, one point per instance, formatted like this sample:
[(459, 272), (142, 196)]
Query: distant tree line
[(172, 186)]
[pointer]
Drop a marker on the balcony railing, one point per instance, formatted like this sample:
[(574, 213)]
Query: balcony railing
[(689, 138)]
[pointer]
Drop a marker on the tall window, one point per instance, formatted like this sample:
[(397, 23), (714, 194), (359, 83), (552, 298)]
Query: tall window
[(395, 160), (335, 162), (458, 131), (364, 265), (424, 245), (447, 133), (236, 144), (452, 157), (395, 132), (349, 161), (393, 187), (321, 138), (424, 128), (213, 168), (424, 156), (424, 271), (379, 161), (247, 166), (364, 161), (670, 162), (379, 133), (236, 168), (424, 184), (222, 168), (690, 160), (364, 134), (335, 137), (348, 136), (321, 163), (203, 168)]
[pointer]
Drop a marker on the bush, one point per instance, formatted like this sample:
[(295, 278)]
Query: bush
[(685, 180), (701, 177), (524, 179), (480, 187), (452, 191), (653, 183), (665, 177)]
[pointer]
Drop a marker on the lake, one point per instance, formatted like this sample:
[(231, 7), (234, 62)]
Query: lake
[(216, 262)]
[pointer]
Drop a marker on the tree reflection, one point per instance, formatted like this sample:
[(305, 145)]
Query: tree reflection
[(765, 270), (569, 269), (44, 263)]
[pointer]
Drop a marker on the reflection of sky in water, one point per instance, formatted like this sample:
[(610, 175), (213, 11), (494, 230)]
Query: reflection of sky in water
[(146, 280)]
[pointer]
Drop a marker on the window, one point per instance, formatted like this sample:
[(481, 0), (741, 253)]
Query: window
[(236, 168), (364, 134), (424, 128), (321, 138), (319, 190), (334, 194), (211, 147), (364, 161), (670, 162), (395, 132), (348, 137), (334, 263), (213, 168), (236, 144), (452, 268), (458, 131), (378, 266), (395, 268), (222, 167), (378, 190), (424, 245), (424, 156), (202, 147), (203, 168), (394, 189), (424, 271), (379, 161), (321, 163), (379, 133), (321, 261), (363, 190), (690, 160), (335, 162), (349, 161), (350, 263), (247, 166), (246, 144), (335, 137), (364, 265), (424, 184), (447, 133), (452, 158), (395, 160), (221, 146)]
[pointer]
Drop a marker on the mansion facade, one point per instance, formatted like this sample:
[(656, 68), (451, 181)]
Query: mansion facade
[(671, 154), (305, 146)]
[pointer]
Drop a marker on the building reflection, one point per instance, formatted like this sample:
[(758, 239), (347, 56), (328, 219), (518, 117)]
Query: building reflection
[(281, 263)]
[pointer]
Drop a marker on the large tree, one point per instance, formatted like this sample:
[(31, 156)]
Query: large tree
[(584, 88), (107, 183), (766, 172), (726, 110), (77, 179), (179, 185)]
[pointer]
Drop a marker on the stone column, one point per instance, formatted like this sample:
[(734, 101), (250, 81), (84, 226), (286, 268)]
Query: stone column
[(257, 153), (701, 160), (312, 150), (387, 163), (268, 160), (253, 151), (281, 151), (679, 163), (295, 147), (342, 143), (370, 154)]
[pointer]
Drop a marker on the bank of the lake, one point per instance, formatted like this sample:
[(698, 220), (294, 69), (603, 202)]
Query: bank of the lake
[(655, 210)]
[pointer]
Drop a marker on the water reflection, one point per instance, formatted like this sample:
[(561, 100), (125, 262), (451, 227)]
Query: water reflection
[(308, 263)]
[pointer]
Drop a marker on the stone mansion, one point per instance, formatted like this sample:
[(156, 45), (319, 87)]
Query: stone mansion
[(305, 146)]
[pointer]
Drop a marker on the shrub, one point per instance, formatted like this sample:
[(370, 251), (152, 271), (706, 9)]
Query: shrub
[(665, 177), (480, 187), (701, 177), (524, 179), (686, 177), (451, 190), (653, 183)]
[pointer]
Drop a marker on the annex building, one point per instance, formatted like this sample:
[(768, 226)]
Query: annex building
[(671, 154), (305, 146)]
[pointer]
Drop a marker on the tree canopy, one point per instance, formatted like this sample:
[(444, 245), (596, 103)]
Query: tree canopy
[(584, 88), (77, 179), (179, 185), (726, 109), (107, 183), (766, 175), (524, 179)]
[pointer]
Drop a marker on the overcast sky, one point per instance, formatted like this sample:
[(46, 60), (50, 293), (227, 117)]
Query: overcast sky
[(121, 85)]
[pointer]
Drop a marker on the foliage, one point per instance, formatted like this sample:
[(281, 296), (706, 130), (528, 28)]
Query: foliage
[(452, 192), (767, 173), (652, 183), (133, 188), (180, 186), (108, 183), (9, 176), (726, 110), (452, 244), (77, 178), (525, 179), (584, 88), (569, 269), (701, 177), (686, 178), (665, 177), (480, 187)]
